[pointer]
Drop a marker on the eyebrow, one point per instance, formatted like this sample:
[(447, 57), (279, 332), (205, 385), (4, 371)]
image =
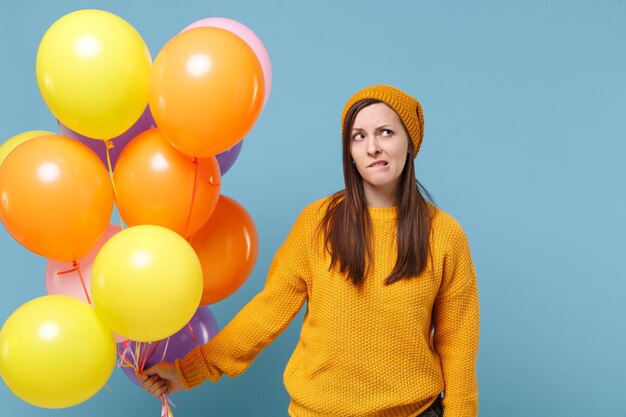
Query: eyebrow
[(385, 126)]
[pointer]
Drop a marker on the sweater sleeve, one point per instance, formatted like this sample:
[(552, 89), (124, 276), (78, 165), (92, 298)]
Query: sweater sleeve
[(234, 348), (456, 321)]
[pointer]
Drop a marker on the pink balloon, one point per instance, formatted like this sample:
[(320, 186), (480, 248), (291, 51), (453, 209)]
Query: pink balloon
[(249, 37), (62, 278)]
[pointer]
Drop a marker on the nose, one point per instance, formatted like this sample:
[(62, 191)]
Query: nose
[(373, 147)]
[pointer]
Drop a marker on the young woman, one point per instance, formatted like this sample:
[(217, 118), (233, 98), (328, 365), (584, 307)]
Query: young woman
[(392, 317)]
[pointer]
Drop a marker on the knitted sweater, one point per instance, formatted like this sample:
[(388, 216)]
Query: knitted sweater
[(363, 351)]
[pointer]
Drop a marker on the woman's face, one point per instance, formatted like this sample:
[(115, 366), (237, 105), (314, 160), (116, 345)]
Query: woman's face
[(379, 145)]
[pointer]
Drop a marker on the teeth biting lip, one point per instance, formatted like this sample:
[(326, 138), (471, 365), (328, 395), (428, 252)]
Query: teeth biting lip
[(378, 163)]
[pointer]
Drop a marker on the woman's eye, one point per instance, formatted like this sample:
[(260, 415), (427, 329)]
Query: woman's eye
[(386, 132), (358, 136)]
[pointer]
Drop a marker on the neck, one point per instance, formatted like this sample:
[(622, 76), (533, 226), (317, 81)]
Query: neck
[(380, 196)]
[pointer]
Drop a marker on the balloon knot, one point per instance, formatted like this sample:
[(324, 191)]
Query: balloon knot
[(75, 267)]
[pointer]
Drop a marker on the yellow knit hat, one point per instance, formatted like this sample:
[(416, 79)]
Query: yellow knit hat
[(407, 107)]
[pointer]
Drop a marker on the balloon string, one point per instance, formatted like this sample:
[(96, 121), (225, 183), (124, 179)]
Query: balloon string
[(126, 350), (76, 268), (193, 335), (193, 192), (131, 353), (109, 146), (137, 357), (166, 411), (167, 343), (156, 345), (124, 358), (169, 400), (124, 361), (145, 353)]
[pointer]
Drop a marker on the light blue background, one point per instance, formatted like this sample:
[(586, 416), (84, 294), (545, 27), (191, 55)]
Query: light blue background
[(525, 142)]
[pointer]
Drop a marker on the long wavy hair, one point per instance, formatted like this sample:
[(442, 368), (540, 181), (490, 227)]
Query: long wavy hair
[(347, 226)]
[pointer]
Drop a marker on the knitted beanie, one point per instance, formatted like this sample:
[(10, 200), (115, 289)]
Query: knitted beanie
[(407, 107)]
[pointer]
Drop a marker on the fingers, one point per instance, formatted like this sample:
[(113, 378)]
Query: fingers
[(159, 392), (158, 378), (154, 385)]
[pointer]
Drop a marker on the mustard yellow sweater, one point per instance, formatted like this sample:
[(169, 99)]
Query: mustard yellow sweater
[(363, 351)]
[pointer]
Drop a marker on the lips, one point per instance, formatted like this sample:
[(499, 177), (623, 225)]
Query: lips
[(379, 163)]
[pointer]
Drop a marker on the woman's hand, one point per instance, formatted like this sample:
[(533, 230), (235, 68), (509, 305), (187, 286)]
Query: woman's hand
[(161, 379)]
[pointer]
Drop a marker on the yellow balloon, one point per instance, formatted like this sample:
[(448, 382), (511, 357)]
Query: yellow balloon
[(55, 352), (15, 141), (146, 283), (93, 70)]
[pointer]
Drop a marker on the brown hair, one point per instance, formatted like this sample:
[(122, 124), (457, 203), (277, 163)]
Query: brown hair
[(347, 225)]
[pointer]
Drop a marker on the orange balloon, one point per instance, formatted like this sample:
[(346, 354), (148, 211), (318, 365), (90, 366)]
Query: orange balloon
[(206, 90), (57, 198), (155, 185), (227, 246)]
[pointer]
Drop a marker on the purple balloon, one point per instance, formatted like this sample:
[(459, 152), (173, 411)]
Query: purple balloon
[(227, 158), (204, 328), (142, 124)]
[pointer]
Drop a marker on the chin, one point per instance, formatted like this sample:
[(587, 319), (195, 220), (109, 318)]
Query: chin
[(378, 183)]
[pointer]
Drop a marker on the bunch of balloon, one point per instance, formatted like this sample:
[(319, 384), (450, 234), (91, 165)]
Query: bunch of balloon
[(170, 130), (57, 199), (207, 88)]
